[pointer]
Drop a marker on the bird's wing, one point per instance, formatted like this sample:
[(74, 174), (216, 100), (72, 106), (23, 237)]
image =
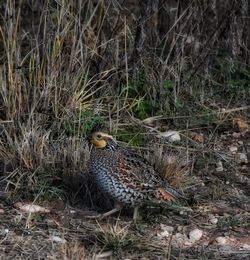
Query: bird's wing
[(136, 172), (135, 169)]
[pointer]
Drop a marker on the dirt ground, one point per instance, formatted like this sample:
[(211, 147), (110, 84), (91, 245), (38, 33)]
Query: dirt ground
[(219, 219)]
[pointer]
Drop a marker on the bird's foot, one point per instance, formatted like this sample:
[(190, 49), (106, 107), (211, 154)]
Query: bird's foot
[(104, 215)]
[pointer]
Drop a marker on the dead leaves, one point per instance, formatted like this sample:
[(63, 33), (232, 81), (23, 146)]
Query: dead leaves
[(197, 137), (241, 124)]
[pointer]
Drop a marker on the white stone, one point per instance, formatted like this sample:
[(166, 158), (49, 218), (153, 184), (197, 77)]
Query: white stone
[(219, 167), (195, 235), (168, 228), (172, 136), (233, 149), (221, 240), (246, 246), (242, 158), (32, 208), (213, 220), (163, 234), (179, 228), (57, 239), (180, 239)]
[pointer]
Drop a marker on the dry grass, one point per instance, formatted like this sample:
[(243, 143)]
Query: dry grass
[(67, 65)]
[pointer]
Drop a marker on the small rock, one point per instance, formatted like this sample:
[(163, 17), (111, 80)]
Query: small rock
[(1, 211), (219, 167), (31, 208), (242, 158), (236, 135), (171, 136), (213, 220), (233, 149), (244, 168), (170, 229), (182, 212), (180, 239), (195, 235), (179, 228), (163, 234), (246, 246), (58, 239), (4, 232), (221, 240)]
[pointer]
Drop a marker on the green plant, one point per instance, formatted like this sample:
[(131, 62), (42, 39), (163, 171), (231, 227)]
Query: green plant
[(44, 190), (229, 221), (141, 96), (82, 123), (131, 135), (206, 159), (234, 78)]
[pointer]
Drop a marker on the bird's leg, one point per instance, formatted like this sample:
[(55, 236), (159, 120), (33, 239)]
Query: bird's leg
[(114, 210), (106, 214), (135, 214)]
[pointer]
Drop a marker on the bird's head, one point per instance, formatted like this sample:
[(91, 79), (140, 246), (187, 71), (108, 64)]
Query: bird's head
[(102, 140)]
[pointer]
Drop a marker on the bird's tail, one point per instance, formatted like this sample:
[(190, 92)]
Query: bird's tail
[(168, 194)]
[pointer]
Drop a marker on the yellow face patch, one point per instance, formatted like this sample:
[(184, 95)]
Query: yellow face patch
[(99, 143), (99, 139)]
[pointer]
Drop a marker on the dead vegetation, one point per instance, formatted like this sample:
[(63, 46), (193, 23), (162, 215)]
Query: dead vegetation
[(143, 68)]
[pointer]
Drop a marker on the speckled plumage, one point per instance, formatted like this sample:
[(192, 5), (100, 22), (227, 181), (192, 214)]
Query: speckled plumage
[(126, 176)]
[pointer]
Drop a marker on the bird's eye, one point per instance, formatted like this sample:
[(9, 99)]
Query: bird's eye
[(99, 136)]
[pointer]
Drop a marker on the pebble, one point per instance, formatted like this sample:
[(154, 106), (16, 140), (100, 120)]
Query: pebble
[(179, 228), (221, 240), (236, 135), (181, 239), (242, 158), (219, 167), (4, 232), (213, 220), (170, 229), (233, 149), (58, 239), (195, 235), (246, 246), (172, 136), (1, 211), (163, 234), (31, 208)]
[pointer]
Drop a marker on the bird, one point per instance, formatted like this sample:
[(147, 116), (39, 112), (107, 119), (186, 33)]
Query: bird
[(125, 176)]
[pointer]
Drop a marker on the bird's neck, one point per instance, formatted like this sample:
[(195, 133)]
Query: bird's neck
[(111, 145)]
